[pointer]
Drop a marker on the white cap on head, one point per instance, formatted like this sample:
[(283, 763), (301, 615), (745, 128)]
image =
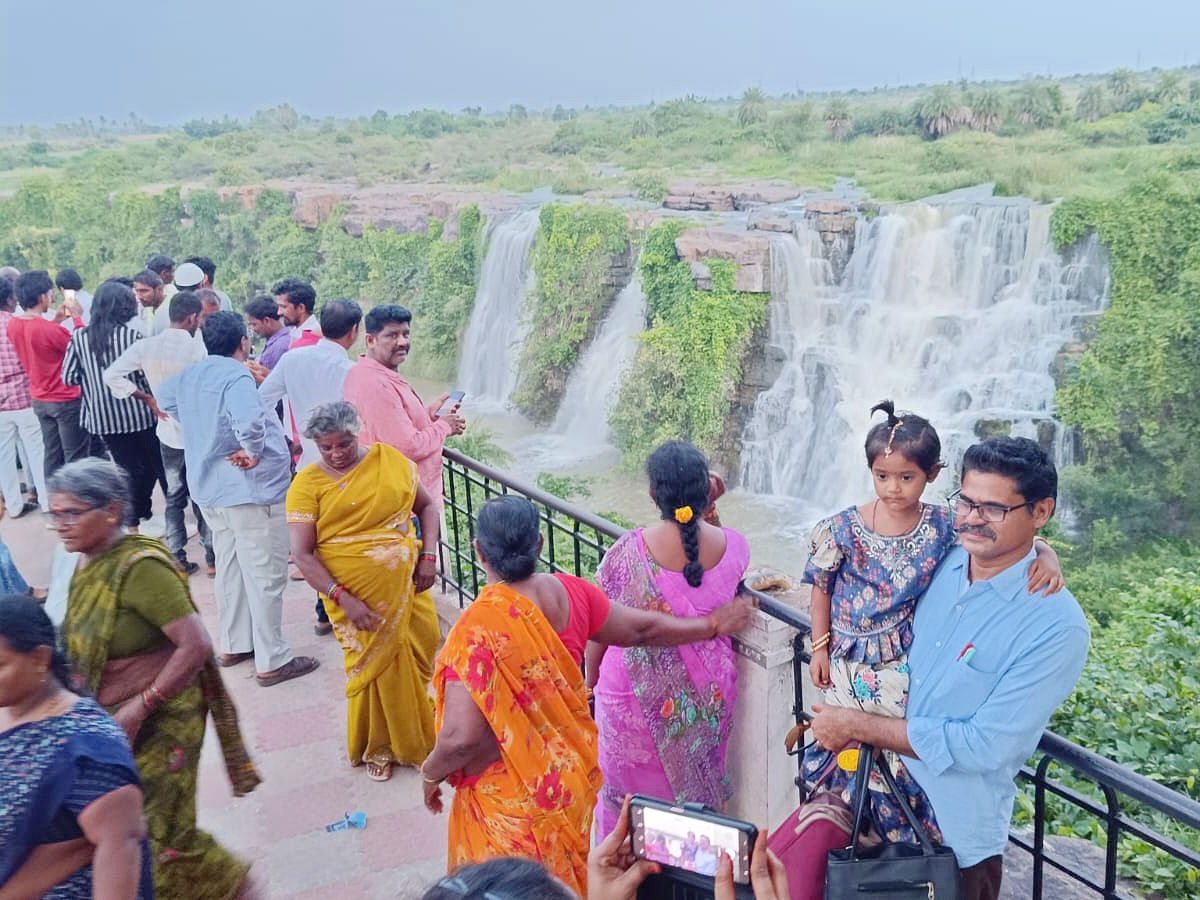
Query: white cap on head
[(188, 276)]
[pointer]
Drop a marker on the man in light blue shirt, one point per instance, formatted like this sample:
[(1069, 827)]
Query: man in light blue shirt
[(989, 662), (238, 471)]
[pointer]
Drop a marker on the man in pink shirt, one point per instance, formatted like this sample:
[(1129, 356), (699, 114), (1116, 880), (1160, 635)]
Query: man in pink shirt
[(390, 409)]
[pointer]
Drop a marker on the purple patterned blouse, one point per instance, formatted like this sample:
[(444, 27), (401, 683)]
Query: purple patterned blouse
[(874, 580)]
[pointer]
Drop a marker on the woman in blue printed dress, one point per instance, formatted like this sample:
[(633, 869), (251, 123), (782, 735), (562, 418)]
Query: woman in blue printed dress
[(868, 566), (71, 823)]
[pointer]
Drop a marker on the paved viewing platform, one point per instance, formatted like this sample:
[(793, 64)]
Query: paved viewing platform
[(296, 734)]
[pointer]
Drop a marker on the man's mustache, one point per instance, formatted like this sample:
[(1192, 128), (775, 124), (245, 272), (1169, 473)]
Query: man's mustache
[(981, 530)]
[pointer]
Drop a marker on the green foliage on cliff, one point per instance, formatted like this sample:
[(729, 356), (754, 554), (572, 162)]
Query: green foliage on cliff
[(682, 379), (433, 277), (1132, 393), (572, 259), (1136, 700), (83, 223)]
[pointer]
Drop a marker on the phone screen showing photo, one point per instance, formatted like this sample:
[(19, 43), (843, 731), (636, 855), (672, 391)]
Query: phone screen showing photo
[(688, 842)]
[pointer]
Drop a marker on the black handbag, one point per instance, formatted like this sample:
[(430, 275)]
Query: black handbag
[(890, 871)]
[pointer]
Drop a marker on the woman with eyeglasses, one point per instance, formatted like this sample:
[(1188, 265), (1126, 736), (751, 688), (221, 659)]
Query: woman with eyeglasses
[(868, 566), (138, 645)]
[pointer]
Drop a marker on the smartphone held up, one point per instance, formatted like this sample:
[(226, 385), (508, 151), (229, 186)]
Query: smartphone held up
[(452, 403), (688, 840)]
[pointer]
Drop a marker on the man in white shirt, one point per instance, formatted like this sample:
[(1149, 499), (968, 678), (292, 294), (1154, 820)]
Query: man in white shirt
[(158, 358), (154, 314), (297, 302), (71, 285), (312, 376)]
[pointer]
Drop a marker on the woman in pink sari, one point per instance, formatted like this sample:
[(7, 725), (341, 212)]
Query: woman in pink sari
[(664, 713)]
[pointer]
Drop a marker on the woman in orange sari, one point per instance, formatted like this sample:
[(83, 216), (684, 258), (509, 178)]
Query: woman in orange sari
[(515, 737), (352, 536)]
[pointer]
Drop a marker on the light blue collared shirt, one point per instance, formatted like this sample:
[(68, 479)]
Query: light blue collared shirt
[(217, 404), (990, 663)]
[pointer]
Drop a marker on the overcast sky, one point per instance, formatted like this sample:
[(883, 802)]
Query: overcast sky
[(170, 61)]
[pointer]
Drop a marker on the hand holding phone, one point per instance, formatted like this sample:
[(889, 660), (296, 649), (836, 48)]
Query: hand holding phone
[(689, 840), (452, 403)]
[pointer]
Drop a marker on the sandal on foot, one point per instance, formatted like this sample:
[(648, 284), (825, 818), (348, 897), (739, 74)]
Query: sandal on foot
[(225, 660), (299, 665), (379, 771)]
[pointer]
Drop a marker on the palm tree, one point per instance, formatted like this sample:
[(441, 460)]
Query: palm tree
[(937, 111), (1170, 88), (987, 109), (1092, 103), (753, 108), (1035, 103), (837, 118), (1121, 84)]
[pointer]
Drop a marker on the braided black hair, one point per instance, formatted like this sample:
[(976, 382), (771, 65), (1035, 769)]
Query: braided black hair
[(24, 626), (508, 532), (678, 475), (906, 433)]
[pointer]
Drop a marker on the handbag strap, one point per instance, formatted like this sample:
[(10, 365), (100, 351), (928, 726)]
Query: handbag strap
[(866, 761)]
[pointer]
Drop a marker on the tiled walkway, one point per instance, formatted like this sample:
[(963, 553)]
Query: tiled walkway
[(296, 733)]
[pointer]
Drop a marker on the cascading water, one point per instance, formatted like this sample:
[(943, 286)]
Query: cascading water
[(592, 389), (487, 368), (956, 310)]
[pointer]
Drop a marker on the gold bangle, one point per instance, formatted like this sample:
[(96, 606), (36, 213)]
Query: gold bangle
[(425, 778), (821, 642)]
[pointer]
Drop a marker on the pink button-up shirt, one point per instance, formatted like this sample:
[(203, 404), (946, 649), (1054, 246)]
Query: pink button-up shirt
[(393, 414)]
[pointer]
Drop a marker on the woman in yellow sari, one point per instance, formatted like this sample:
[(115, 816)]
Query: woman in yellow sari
[(352, 536), (515, 737)]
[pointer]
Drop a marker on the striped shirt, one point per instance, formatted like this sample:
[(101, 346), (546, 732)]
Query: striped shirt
[(102, 413)]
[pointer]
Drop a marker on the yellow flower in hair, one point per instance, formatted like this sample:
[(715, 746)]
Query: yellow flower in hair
[(683, 515)]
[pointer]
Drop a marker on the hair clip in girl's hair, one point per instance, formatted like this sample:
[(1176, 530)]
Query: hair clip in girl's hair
[(683, 515), (887, 451)]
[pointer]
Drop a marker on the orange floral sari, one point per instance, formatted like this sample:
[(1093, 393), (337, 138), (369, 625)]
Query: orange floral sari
[(536, 801)]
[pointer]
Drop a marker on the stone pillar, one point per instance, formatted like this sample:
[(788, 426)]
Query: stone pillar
[(762, 774)]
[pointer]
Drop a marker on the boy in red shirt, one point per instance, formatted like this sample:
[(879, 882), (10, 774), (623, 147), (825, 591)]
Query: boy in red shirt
[(40, 345)]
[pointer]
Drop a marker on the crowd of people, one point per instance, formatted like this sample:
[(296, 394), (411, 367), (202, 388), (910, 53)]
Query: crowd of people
[(941, 634)]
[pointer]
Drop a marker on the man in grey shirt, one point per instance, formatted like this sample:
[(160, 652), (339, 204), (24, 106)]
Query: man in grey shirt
[(238, 471)]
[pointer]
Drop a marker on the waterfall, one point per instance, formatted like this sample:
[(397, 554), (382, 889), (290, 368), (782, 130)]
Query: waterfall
[(491, 346), (592, 388), (956, 310)]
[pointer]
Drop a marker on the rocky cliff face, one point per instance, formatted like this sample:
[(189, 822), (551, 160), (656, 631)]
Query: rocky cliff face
[(751, 252)]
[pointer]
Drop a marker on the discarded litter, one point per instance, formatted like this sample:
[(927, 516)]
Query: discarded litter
[(349, 820)]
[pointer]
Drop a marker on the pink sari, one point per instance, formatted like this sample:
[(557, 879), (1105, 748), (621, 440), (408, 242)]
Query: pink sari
[(664, 713)]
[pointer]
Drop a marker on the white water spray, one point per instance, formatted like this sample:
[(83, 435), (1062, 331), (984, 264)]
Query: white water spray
[(592, 388), (955, 310), (487, 368)]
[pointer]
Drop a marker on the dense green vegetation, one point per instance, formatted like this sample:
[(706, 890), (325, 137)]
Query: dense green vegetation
[(1137, 700), (1132, 394), (1122, 152), (573, 257), (683, 375)]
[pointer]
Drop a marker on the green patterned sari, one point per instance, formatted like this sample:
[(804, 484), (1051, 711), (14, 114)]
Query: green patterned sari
[(188, 862)]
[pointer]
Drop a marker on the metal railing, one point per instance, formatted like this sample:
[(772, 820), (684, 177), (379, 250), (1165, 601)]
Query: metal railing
[(575, 541)]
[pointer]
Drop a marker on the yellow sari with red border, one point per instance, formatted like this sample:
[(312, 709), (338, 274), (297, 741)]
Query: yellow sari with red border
[(536, 801), (365, 538)]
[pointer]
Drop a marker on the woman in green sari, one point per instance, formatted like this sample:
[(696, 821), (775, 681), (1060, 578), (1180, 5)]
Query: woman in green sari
[(135, 638)]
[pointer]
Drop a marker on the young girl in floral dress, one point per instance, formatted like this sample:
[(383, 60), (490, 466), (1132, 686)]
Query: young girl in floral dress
[(868, 566)]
